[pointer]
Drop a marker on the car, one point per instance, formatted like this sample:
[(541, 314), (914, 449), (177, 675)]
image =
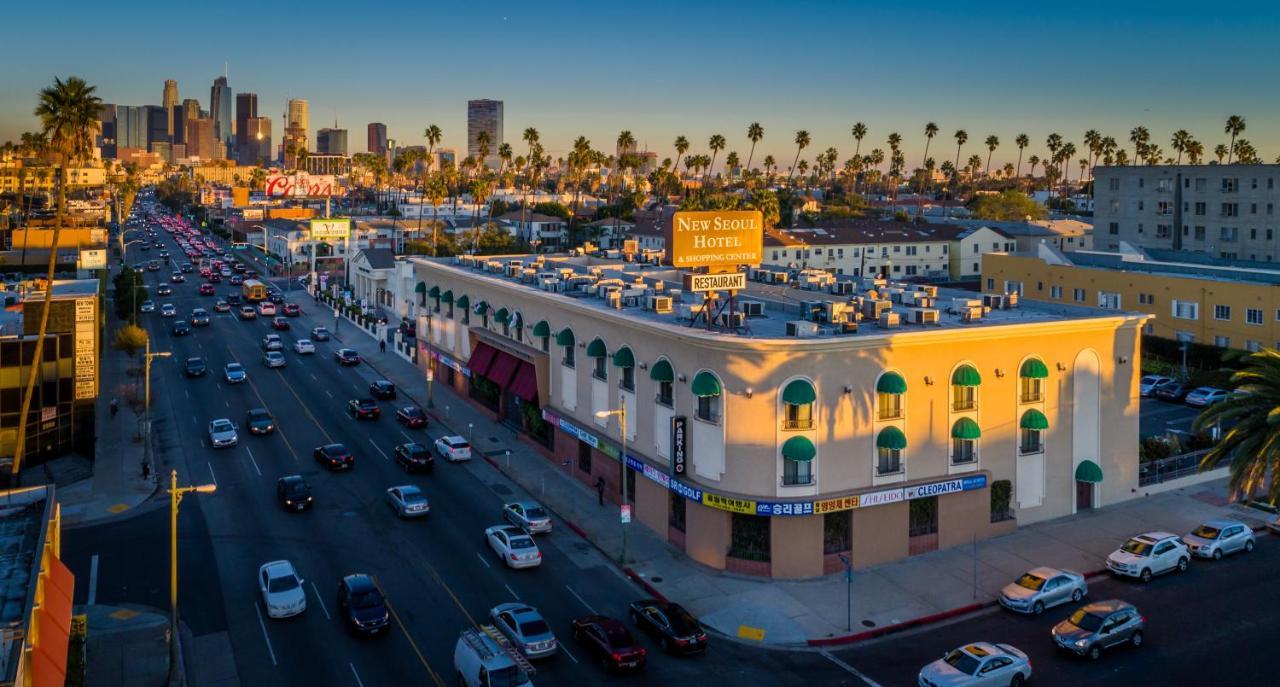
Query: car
[(1041, 588), (525, 628), (1206, 396), (346, 356), (177, 278), (186, 268), (1216, 538), (233, 298), (280, 324), (334, 456), (273, 359), (1100, 625), (361, 605), (1150, 554), (528, 516), (408, 501), (251, 274), (275, 297), (199, 317), (222, 433), (1174, 392), (266, 308), (364, 409), (221, 306), (147, 306), (153, 266), (610, 642), (453, 448), (163, 253), (226, 272), (196, 367), (676, 630), (304, 347), (513, 546), (382, 389), (979, 663), (414, 458), (167, 310), (180, 328), (259, 421), (282, 592), (272, 342), (411, 417), (234, 373), (164, 290), (248, 313), (206, 289), (236, 279), (294, 492), (291, 310), (215, 278), (319, 334), (238, 266)]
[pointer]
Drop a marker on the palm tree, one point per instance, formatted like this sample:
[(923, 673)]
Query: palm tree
[(930, 130), (682, 146), (769, 164), (1235, 127), (731, 162), (1022, 141), (961, 137), (1252, 444), (1220, 151), (755, 133), (504, 157), (1195, 151), (1179, 142), (717, 144), (802, 142), (992, 142), (433, 134), (859, 132), (1033, 161), (68, 113), (1139, 136)]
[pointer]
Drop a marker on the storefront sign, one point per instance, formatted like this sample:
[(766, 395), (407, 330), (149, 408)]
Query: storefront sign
[(784, 508), (951, 486), (582, 435), (93, 259), (327, 229), (836, 504), (744, 506), (733, 281), (679, 428), (717, 238), (85, 388), (455, 366), (85, 308), (879, 498)]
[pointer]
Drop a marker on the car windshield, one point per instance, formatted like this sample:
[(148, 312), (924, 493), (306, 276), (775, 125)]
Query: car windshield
[(535, 513), (1085, 620), (233, 367), (961, 661), (1032, 582), (510, 676), (531, 628), (413, 496), (282, 584), (417, 451), (369, 599), (521, 543), (335, 449), (259, 414), (413, 411), (1137, 547), (1206, 532), (617, 637), (221, 426)]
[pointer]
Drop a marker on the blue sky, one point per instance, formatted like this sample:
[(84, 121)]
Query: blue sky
[(663, 68)]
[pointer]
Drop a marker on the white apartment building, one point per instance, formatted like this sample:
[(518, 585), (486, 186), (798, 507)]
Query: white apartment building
[(895, 249)]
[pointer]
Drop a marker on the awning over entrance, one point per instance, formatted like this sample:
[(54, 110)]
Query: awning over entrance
[(481, 359), (525, 384), (1088, 471), (503, 369)]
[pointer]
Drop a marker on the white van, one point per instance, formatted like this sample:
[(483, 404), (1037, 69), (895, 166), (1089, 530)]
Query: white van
[(484, 658)]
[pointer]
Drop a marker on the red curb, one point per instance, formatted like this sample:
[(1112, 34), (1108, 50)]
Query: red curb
[(576, 530), (649, 588)]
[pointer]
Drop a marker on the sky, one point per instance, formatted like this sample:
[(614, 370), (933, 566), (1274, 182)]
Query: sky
[(665, 68)]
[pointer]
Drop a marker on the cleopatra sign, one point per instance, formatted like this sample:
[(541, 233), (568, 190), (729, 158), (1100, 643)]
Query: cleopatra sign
[(301, 186)]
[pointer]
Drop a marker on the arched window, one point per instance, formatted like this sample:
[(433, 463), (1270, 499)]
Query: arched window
[(964, 388), (706, 389), (503, 317), (964, 441), (1031, 378), (421, 290), (447, 299), (1031, 432), (890, 389), (625, 361), (600, 353), (542, 332), (798, 398), (662, 373), (464, 305), (890, 443), (797, 460), (434, 293), (566, 339)]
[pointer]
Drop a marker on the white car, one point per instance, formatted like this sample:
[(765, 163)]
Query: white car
[(304, 347), (266, 308), (1206, 396), (528, 516), (1149, 383), (1150, 554), (273, 359), (282, 590), (453, 449), (1217, 538), (148, 306), (222, 433), (979, 663), (272, 342), (513, 546), (167, 310), (408, 501)]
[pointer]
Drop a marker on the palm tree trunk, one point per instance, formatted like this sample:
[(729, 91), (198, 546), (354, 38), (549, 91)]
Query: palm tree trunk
[(751, 155), (793, 164), (1018, 175)]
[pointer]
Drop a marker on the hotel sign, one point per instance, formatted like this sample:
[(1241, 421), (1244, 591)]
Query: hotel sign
[(324, 229), (731, 281), (719, 238)]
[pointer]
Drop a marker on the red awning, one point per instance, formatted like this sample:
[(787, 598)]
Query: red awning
[(49, 660), (504, 366), (525, 384), (481, 358)]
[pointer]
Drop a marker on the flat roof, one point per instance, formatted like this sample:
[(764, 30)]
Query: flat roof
[(779, 304), (24, 514), (1185, 264)]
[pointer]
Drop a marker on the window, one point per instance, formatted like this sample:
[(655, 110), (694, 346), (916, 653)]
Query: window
[(1055, 292), (676, 514), (566, 339), (1031, 389), (888, 461), (1013, 287), (1141, 204), (922, 516), (749, 537), (1164, 207), (837, 532), (584, 456), (1186, 310), (1253, 208), (1253, 346), (1230, 210), (991, 284), (1077, 295), (1253, 316), (1113, 228), (709, 408), (963, 451), (1184, 337), (1230, 184), (1202, 208), (1164, 231), (964, 388), (1114, 183), (797, 472), (1222, 312), (628, 380), (798, 398), (1222, 341), (1109, 299), (601, 370), (888, 406), (1199, 233), (1031, 441)]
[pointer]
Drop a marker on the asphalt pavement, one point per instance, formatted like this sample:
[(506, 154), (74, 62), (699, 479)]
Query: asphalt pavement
[(1158, 417)]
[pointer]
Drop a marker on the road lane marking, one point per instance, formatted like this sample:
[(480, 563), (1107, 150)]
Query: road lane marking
[(850, 669), (579, 598), (93, 579), (407, 437), (187, 394), (305, 408), (251, 460), (482, 560), (320, 599), (375, 447), (566, 651), (329, 392), (357, 675), (265, 636), (430, 671), (313, 376), (215, 477), (513, 592)]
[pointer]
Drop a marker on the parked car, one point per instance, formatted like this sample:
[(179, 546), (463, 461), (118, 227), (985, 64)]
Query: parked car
[(345, 356), (234, 373), (525, 628), (364, 409), (319, 334), (1042, 588), (414, 458), (334, 456), (411, 417), (282, 592), (676, 630), (1216, 538), (408, 501), (1149, 383), (453, 448), (294, 492), (196, 367), (1150, 554), (304, 347), (513, 546), (259, 421), (1206, 396), (978, 664), (528, 516), (1100, 625), (610, 642), (362, 606), (1174, 392), (222, 433)]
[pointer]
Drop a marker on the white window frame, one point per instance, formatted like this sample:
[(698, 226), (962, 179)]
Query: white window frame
[(1193, 308)]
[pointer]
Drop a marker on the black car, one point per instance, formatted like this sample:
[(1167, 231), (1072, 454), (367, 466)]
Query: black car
[(164, 290), (233, 299), (411, 417), (364, 409), (415, 458), (186, 267), (362, 606), (319, 334), (334, 456), (276, 297), (1174, 392), (196, 367), (294, 493), (180, 328), (676, 630), (200, 317), (383, 389), (260, 421), (346, 356)]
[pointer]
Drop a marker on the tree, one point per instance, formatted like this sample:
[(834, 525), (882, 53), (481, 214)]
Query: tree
[(755, 133), (1093, 141), (731, 162), (130, 338), (1008, 205), (802, 142), (930, 130), (129, 295), (1022, 141), (716, 143), (682, 147), (1235, 126), (859, 132), (1250, 443), (992, 142), (1139, 136), (1179, 142)]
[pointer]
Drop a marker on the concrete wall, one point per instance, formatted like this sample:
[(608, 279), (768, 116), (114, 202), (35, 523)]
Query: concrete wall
[(796, 546), (652, 502), (964, 516), (879, 534), (707, 534)]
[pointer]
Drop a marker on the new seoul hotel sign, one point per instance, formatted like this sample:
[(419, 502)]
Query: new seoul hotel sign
[(717, 238)]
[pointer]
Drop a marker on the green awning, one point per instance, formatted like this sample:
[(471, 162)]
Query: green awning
[(891, 438), (434, 292), (1034, 368), (481, 308), (966, 375), (542, 329), (662, 372), (463, 302), (1088, 471), (799, 449), (705, 384), (503, 316), (1034, 419), (565, 337), (623, 357), (421, 287), (799, 393), (447, 296), (966, 428), (596, 348), (891, 383)]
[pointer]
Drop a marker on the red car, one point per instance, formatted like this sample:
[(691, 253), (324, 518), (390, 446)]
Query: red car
[(610, 641), (215, 277), (291, 310), (411, 417), (206, 289), (334, 457), (364, 409), (280, 324)]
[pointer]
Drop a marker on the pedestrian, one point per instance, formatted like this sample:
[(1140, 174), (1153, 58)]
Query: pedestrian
[(600, 490), (382, 345), (115, 406)]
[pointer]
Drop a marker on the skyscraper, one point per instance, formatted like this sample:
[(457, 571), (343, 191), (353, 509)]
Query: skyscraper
[(295, 131), (190, 110), (170, 101), (157, 125), (486, 116), (246, 109), (378, 138), (220, 110), (331, 141), (257, 148), (201, 141), (131, 127), (106, 138), (296, 114)]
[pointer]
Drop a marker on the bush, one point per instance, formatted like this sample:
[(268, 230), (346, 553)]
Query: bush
[(1001, 500), (1157, 448), (130, 339)]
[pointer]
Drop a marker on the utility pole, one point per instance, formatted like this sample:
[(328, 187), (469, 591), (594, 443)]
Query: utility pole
[(146, 415), (175, 498), (621, 412)]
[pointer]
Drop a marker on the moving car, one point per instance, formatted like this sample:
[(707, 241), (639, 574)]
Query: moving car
[(164, 290), (528, 516), (272, 342), (1216, 538), (411, 417), (196, 367), (361, 605), (222, 433), (334, 457), (1206, 396), (382, 389), (280, 324), (408, 501), (1150, 554), (248, 313), (319, 334), (177, 278), (1042, 588), (259, 421), (234, 373), (453, 448), (345, 356), (676, 630), (282, 592), (167, 310), (513, 546), (148, 306), (364, 409), (1100, 625), (266, 308), (482, 658), (1149, 383), (304, 347), (526, 629), (206, 289), (221, 306), (294, 492), (610, 642), (180, 328), (199, 317), (414, 458), (273, 359), (291, 310), (979, 663)]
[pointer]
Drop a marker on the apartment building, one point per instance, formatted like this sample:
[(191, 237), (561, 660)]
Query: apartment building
[(895, 250)]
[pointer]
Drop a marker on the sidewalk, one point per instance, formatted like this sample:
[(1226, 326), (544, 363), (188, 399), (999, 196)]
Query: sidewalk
[(916, 590), (126, 646)]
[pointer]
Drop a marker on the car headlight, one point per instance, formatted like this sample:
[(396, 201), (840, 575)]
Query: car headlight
[(1081, 642)]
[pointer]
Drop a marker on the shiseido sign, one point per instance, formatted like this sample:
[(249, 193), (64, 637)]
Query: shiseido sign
[(301, 186)]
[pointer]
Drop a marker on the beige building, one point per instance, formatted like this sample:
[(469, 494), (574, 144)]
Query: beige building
[(1189, 296), (892, 420)]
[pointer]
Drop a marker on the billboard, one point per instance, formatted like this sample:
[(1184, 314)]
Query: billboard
[(93, 259), (717, 238), (301, 185), (324, 229), (729, 281)]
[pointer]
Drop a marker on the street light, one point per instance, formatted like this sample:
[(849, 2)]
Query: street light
[(621, 412), (175, 498), (146, 415)]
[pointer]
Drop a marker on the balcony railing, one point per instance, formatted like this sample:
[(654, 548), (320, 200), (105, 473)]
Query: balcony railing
[(797, 424), (1032, 398), (796, 480)]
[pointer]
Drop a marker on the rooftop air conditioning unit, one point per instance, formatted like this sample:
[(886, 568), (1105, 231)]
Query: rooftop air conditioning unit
[(959, 305), (514, 268), (929, 289), (732, 320), (834, 312), (811, 310), (871, 309), (841, 288), (971, 314), (801, 328), (614, 299), (551, 284), (677, 295), (889, 320), (925, 316), (752, 308), (659, 304), (993, 300), (849, 328), (1011, 300)]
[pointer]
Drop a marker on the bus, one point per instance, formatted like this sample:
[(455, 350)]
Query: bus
[(253, 290)]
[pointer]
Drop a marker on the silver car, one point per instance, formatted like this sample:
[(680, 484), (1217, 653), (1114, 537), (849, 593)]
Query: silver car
[(1100, 625), (980, 664), (273, 359), (529, 516), (1043, 588), (1216, 538), (222, 433), (526, 629), (408, 501)]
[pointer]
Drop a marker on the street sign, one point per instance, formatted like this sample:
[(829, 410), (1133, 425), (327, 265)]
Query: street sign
[(626, 513)]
